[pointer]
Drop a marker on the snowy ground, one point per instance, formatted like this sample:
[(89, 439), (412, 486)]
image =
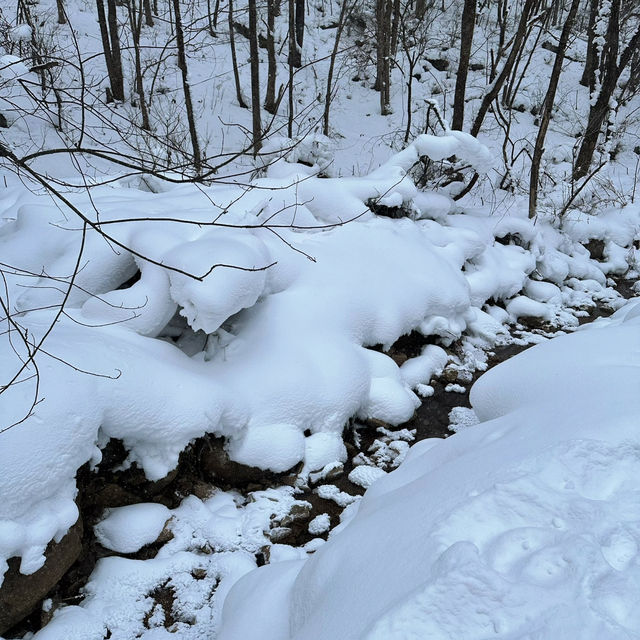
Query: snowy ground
[(522, 526)]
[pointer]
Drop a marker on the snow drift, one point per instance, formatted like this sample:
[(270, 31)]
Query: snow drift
[(525, 526)]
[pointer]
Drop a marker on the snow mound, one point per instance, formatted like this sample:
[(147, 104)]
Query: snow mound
[(128, 529), (524, 525)]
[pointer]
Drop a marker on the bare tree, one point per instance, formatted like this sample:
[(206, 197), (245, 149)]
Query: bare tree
[(234, 59), (548, 106), (270, 96), (135, 23), (346, 8), (255, 77), (467, 25), (111, 48), (182, 65), (611, 70)]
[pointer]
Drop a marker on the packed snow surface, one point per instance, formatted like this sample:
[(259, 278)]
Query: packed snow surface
[(524, 526)]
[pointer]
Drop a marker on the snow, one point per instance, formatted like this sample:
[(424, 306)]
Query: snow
[(365, 475), (521, 526), (320, 524), (128, 529), (262, 317)]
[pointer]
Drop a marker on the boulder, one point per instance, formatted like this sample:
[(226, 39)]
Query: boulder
[(21, 594)]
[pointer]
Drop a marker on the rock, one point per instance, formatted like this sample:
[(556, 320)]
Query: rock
[(217, 467), (450, 374), (440, 64), (299, 511), (20, 594), (595, 248)]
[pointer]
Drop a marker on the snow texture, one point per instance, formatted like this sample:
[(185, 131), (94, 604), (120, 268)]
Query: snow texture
[(522, 526)]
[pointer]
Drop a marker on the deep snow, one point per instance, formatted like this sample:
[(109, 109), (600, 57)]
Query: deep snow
[(524, 526)]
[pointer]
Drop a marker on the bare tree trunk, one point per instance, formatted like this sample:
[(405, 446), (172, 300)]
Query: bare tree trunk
[(182, 65), (62, 16), (299, 29), (518, 42), (395, 22), (148, 14), (234, 59), (293, 53), (466, 39), (589, 74), (111, 49), (548, 106), (270, 97), (116, 56), (332, 62), (255, 77), (384, 10), (600, 109), (135, 20)]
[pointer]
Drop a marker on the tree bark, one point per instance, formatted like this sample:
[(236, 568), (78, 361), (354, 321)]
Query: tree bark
[(255, 77), (62, 16), (599, 111), (293, 51), (116, 56), (332, 62), (466, 40), (111, 48), (588, 78), (270, 96)]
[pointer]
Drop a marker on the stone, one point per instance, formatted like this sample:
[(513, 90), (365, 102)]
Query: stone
[(21, 594), (217, 467)]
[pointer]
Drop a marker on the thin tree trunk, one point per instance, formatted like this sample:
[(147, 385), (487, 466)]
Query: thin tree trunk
[(395, 22), (548, 106), (148, 14), (255, 77), (299, 28), (588, 78), (182, 65), (384, 10), (62, 16), (332, 63), (111, 48), (466, 39), (600, 110), (116, 56), (494, 90), (234, 59), (135, 20), (292, 61), (270, 97)]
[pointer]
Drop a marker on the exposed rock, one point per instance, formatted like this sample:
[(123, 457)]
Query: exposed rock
[(450, 374), (596, 249), (217, 467), (440, 64), (20, 594)]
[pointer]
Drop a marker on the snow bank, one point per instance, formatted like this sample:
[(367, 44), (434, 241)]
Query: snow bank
[(522, 526), (170, 340)]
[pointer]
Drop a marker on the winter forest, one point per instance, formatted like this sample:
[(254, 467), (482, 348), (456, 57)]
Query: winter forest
[(318, 319)]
